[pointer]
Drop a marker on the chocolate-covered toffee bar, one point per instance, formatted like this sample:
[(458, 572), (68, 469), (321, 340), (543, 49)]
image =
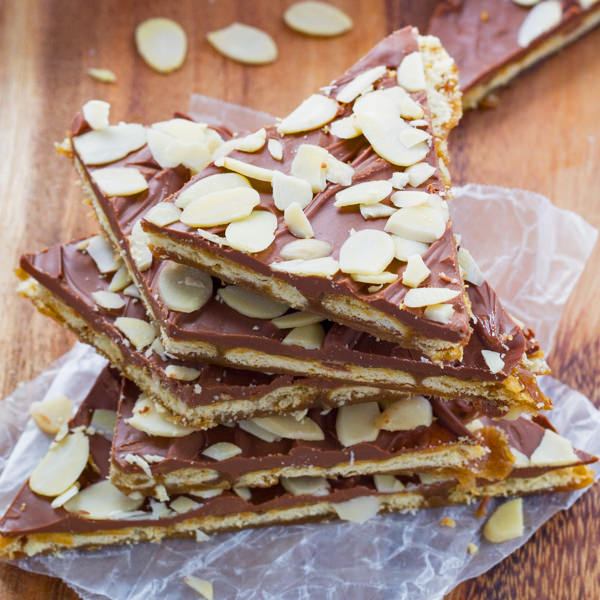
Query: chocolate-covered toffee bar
[(492, 41), (65, 282), (372, 249), (69, 503)]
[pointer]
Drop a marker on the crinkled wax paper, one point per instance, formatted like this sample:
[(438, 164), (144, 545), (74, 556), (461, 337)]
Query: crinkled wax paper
[(533, 253)]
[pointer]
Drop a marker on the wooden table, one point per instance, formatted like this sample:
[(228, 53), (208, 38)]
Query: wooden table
[(544, 136)]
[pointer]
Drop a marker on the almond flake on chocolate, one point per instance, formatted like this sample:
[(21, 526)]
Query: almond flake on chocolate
[(553, 450), (61, 466), (220, 207), (416, 271), (360, 84), (471, 271), (357, 510), (440, 313), (410, 73), (102, 254), (367, 252), (120, 279), (541, 18), (297, 319), (297, 222), (252, 142), (418, 223), (275, 149), (210, 493), (102, 75), (426, 296), (51, 413), (140, 333), (505, 523), (243, 492), (369, 192), (210, 184), (399, 179), (306, 249), (222, 451), (319, 267), (346, 128), (251, 304), (146, 417), (138, 246), (103, 422), (254, 233), (411, 137), (387, 483), (309, 337), (526, 2), (65, 496), (405, 414), (244, 44), (419, 173), (409, 198), (246, 169), (163, 213), (183, 504), (102, 146), (256, 430), (162, 43), (379, 279), (317, 18), (376, 211), (286, 426), (305, 485), (310, 164), (102, 500), (288, 189), (317, 110), (521, 460), (108, 300), (356, 423), (203, 587), (182, 373), (493, 360), (182, 288), (405, 248), (96, 112), (132, 292)]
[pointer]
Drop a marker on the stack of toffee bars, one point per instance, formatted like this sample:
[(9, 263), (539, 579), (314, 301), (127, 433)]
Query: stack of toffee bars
[(294, 330)]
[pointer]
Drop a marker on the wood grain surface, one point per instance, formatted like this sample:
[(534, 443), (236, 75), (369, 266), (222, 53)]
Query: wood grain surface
[(544, 135)]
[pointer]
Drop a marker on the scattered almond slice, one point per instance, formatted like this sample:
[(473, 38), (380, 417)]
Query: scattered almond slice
[(399, 179), (140, 333), (108, 300), (254, 233), (183, 504), (162, 44), (346, 128), (244, 168), (418, 223), (317, 18), (540, 19), (243, 492), (138, 246), (411, 137), (147, 418), (317, 110), (61, 466), (426, 296), (387, 484), (210, 493), (102, 75), (310, 163), (251, 304), (286, 426), (65, 496), (182, 373), (505, 523), (319, 267), (379, 279), (367, 252), (306, 249), (472, 548), (405, 248), (103, 422), (356, 423), (220, 207), (252, 142), (162, 214), (416, 271), (471, 271), (102, 146), (337, 171), (275, 149), (493, 360), (96, 112), (51, 413), (526, 2), (244, 44), (553, 450), (369, 192), (360, 84), (440, 313), (132, 292), (288, 189), (102, 500), (120, 279), (222, 451), (409, 198), (520, 460), (102, 254), (297, 222), (203, 587), (210, 184), (256, 430), (310, 486), (309, 337), (358, 510), (376, 211), (419, 173), (410, 73), (405, 414), (297, 319)]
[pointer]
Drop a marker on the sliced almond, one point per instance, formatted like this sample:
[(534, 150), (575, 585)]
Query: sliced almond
[(103, 146), (102, 500), (338, 171), (51, 413), (102, 75), (104, 421), (367, 252), (360, 84), (162, 44), (409, 198), (203, 587), (147, 418), (376, 211), (410, 73), (387, 484), (317, 18), (356, 423), (256, 430), (426, 296), (369, 192), (297, 222), (418, 223), (318, 267), (108, 300), (419, 173), (210, 493), (244, 168), (254, 233), (493, 360), (554, 450), (65, 496), (162, 214), (244, 44), (96, 112), (220, 208), (138, 246), (275, 148), (526, 2), (440, 313), (252, 142), (346, 128), (120, 279), (222, 451), (183, 288), (541, 18), (380, 279), (61, 466), (309, 486), (183, 504), (471, 271), (521, 460), (297, 319), (288, 189), (357, 510), (286, 426), (309, 337), (405, 248), (210, 184), (182, 373), (416, 271), (317, 110), (132, 291), (310, 163), (102, 254), (405, 414), (505, 523), (243, 492), (411, 137), (306, 249), (140, 333), (251, 304)]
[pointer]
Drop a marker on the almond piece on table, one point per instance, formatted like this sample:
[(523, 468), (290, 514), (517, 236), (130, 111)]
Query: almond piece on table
[(505, 523), (51, 413), (427, 296), (102, 254), (356, 423), (317, 18), (244, 44), (102, 500), (162, 44), (251, 304), (405, 414), (210, 184), (254, 233)]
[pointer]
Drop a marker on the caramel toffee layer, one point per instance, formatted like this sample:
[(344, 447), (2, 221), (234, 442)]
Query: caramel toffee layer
[(328, 222), (482, 36)]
